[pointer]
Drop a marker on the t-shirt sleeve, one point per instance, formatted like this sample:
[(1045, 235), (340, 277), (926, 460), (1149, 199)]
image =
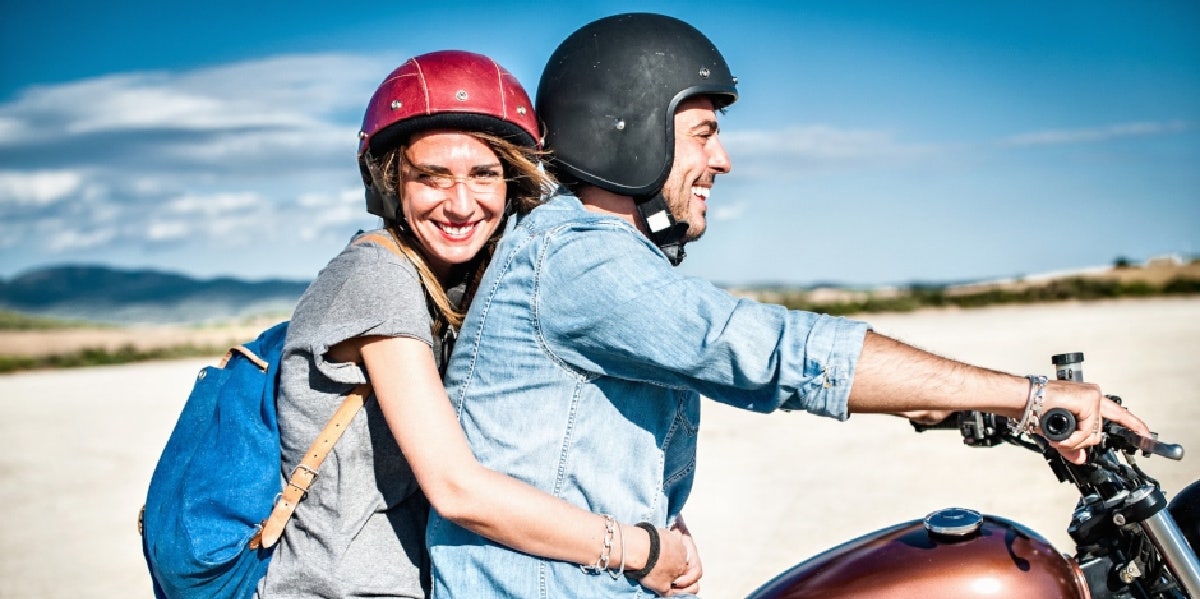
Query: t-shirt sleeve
[(365, 290)]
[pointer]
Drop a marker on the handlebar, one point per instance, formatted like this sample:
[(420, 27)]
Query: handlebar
[(982, 429)]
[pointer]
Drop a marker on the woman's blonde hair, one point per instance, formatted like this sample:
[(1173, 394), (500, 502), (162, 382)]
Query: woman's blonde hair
[(528, 183)]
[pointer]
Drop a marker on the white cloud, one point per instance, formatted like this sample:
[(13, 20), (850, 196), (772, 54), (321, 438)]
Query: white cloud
[(38, 187), (233, 218), (167, 230), (1096, 134), (216, 204), (280, 92), (322, 214), (203, 157), (142, 103), (314, 139), (66, 239), (10, 129)]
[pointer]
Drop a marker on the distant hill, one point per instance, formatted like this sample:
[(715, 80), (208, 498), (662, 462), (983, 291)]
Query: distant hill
[(105, 294)]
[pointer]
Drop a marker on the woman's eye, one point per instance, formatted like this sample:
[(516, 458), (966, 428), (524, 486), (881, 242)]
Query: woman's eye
[(488, 176), (434, 180)]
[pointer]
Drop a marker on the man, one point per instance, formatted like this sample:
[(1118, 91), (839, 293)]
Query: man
[(582, 362)]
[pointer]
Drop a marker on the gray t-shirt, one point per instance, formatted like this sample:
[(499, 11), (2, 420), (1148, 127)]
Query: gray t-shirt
[(360, 531)]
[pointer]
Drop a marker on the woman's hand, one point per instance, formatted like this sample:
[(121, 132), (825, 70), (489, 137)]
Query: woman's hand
[(1090, 408), (689, 582), (673, 557)]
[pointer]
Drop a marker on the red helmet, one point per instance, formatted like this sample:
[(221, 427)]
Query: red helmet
[(449, 89)]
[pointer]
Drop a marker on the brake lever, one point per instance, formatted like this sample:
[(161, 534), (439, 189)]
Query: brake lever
[(1146, 445)]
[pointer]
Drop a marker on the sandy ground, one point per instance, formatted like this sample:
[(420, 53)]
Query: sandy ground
[(770, 491), (147, 337)]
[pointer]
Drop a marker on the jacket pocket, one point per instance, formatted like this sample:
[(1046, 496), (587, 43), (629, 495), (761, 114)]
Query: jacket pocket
[(679, 445)]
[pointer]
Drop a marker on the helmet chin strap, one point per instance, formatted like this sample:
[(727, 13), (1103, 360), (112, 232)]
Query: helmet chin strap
[(666, 232)]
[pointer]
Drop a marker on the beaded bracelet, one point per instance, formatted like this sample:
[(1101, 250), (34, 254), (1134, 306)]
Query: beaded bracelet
[(1031, 418)]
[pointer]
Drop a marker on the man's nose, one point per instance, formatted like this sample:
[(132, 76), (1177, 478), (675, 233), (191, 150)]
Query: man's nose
[(718, 158)]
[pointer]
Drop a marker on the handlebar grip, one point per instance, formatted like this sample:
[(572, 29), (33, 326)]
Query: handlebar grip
[(1058, 424)]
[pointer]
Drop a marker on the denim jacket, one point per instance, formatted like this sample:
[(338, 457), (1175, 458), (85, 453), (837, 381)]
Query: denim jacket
[(580, 368)]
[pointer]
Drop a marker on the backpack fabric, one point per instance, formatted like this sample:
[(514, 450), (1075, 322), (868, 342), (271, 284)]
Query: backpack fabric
[(217, 479)]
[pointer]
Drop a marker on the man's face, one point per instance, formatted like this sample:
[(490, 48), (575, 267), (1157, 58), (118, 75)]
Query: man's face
[(699, 158)]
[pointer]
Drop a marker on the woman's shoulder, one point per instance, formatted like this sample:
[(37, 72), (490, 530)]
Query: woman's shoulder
[(378, 244), (366, 268), (373, 253)]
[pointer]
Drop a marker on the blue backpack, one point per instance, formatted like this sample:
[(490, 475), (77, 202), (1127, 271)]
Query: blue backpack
[(217, 501), (215, 506)]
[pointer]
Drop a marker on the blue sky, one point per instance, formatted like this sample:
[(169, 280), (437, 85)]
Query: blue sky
[(873, 142)]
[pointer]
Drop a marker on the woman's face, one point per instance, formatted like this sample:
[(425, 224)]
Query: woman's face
[(453, 196)]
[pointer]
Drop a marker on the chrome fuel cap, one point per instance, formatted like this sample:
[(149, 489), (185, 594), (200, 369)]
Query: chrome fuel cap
[(953, 522)]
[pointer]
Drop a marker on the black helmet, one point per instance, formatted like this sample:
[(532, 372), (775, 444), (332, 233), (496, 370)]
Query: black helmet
[(608, 94)]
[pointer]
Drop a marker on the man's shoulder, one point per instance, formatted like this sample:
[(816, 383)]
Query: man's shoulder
[(563, 217), (558, 209)]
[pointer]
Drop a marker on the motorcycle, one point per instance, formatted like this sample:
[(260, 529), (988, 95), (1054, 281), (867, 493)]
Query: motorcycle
[(1130, 543)]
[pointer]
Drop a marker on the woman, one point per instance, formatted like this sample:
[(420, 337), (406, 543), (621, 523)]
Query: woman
[(448, 149)]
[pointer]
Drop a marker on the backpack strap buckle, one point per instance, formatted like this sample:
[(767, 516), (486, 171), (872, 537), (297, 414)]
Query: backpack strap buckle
[(302, 478)]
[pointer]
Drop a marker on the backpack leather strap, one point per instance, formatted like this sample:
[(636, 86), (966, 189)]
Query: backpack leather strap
[(306, 471), (386, 240)]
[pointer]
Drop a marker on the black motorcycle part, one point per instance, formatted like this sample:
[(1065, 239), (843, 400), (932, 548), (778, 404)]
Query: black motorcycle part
[(1185, 509)]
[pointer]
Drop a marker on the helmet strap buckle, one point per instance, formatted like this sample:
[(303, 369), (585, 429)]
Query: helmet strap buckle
[(665, 231)]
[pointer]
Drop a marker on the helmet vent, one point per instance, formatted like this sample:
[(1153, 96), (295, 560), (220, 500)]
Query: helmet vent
[(396, 104), (619, 124), (704, 73), (461, 96), (520, 110)]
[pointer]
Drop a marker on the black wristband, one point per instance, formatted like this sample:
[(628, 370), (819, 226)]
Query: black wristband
[(652, 558)]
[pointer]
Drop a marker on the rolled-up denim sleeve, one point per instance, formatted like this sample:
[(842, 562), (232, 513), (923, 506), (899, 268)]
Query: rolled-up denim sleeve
[(608, 304), (831, 349)]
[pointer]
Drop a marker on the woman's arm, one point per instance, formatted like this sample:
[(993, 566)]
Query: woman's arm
[(414, 403)]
